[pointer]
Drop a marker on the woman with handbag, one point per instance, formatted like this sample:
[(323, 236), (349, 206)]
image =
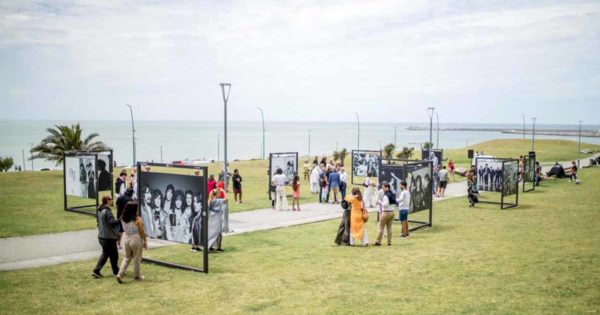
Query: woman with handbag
[(358, 217)]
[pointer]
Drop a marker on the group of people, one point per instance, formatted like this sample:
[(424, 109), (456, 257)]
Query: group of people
[(352, 227), (328, 179)]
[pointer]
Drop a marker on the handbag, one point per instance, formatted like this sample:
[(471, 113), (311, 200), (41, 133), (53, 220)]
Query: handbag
[(365, 214)]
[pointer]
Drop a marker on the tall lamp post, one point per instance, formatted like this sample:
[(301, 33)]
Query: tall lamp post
[(395, 143), (161, 155), (523, 126), (218, 148), (132, 133), (358, 135), (533, 119), (23, 155), (263, 125), (430, 113), (437, 141), (225, 89), (579, 146)]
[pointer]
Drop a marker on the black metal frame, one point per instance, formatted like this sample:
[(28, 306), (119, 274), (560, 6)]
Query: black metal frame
[(526, 159), (510, 205), (379, 152), (503, 205), (271, 165), (78, 209), (205, 248), (432, 150), (406, 162)]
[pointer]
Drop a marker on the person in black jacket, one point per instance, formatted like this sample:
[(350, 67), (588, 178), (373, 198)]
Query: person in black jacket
[(107, 237), (121, 202)]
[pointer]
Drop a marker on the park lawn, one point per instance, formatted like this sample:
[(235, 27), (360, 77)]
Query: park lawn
[(547, 151), (541, 257)]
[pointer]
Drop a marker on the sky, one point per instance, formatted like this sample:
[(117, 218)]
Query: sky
[(474, 61)]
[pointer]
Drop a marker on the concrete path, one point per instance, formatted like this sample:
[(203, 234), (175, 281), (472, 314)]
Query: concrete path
[(51, 249)]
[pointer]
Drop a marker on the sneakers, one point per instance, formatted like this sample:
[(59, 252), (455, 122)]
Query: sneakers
[(377, 244), (119, 280), (97, 275), (140, 278)]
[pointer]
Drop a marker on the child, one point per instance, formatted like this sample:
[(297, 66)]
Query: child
[(574, 172), (296, 193), (324, 188), (404, 205)]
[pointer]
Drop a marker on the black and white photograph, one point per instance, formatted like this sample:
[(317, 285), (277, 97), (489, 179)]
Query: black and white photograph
[(171, 205), (510, 171), (489, 174), (393, 174), (529, 171), (418, 180), (435, 155), (287, 163), (104, 172), (80, 173), (365, 163)]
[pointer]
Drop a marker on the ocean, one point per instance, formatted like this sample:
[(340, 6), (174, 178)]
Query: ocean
[(203, 140)]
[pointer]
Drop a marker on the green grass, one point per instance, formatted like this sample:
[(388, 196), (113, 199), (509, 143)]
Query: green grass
[(542, 257), (31, 203)]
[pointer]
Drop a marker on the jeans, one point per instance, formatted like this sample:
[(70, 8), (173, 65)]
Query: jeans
[(109, 251)]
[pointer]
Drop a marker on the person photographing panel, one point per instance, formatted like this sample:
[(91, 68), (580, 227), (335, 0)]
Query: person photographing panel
[(389, 204)]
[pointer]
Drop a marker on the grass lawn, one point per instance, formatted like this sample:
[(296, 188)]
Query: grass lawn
[(542, 257), (31, 203)]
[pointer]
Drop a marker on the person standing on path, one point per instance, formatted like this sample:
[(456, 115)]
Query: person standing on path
[(443, 173), (134, 240), (404, 205), (357, 223), (314, 179), (451, 168), (107, 237), (334, 184), (389, 205), (211, 185), (343, 182), (237, 186), (280, 198), (296, 192)]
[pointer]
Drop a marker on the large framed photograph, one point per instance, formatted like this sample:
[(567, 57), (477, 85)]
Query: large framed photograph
[(105, 169), (393, 174), (489, 174), (171, 205), (427, 154), (510, 176), (80, 176), (287, 162), (365, 163), (418, 180), (529, 172)]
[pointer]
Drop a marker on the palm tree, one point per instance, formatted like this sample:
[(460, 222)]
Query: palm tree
[(388, 151), (406, 153), (343, 154), (63, 139)]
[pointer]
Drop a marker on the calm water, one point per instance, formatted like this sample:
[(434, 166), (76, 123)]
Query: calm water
[(200, 139)]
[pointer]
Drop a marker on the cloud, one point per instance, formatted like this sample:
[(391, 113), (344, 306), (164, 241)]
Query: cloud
[(298, 60)]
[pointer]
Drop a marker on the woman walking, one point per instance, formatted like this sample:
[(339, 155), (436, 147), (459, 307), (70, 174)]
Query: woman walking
[(296, 193), (357, 218), (107, 237), (135, 241), (216, 206)]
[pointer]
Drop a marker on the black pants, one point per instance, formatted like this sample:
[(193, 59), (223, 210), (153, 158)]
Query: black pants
[(574, 176), (109, 250), (343, 234)]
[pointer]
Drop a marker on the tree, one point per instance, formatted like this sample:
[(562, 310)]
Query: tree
[(6, 163), (406, 153), (336, 155), (388, 151), (427, 145), (343, 154), (62, 139)]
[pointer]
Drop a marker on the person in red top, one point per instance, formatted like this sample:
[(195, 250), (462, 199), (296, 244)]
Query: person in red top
[(451, 168), (221, 186), (212, 184)]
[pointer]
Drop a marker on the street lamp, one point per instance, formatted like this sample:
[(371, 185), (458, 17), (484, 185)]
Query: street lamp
[(225, 89), (218, 148), (523, 126), (430, 113), (395, 143), (533, 119), (579, 146), (161, 155), (132, 132), (263, 125), (437, 142), (358, 136)]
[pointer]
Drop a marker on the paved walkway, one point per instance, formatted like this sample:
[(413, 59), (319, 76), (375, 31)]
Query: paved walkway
[(51, 249)]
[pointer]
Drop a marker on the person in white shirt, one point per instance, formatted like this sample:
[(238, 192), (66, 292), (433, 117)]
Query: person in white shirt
[(343, 182), (280, 198), (404, 206), (388, 206), (314, 180)]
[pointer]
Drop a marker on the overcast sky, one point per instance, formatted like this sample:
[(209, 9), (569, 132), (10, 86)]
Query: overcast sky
[(475, 61)]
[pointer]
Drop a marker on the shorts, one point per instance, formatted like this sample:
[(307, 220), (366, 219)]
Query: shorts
[(403, 215), (237, 190), (443, 184)]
